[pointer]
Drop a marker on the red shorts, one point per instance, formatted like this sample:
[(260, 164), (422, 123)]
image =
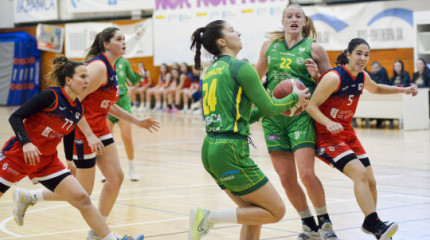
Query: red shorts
[(339, 149), (13, 170), (144, 82)]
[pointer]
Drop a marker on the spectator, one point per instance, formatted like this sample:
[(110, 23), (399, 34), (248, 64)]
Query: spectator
[(379, 73), (157, 91), (421, 77), (400, 77)]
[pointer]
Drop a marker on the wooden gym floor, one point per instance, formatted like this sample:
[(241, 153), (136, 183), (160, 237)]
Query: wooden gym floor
[(173, 180)]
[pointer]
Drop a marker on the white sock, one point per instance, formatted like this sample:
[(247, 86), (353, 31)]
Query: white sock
[(110, 236), (228, 215), (37, 194), (131, 165), (186, 107), (164, 104), (157, 105), (321, 210), (305, 214), (148, 105)]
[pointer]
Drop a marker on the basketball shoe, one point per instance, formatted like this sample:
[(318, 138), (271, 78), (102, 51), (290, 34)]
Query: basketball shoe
[(327, 232), (382, 230), (199, 225), (308, 234), (22, 199)]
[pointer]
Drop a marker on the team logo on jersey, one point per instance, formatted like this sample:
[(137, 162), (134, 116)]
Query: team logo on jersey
[(46, 132), (360, 86), (334, 112), (300, 60), (302, 49), (276, 45), (77, 115)]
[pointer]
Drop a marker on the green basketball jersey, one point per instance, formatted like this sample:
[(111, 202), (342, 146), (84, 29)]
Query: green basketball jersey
[(229, 88), (124, 71), (225, 107), (284, 62)]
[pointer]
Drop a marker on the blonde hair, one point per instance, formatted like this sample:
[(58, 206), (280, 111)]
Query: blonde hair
[(308, 30)]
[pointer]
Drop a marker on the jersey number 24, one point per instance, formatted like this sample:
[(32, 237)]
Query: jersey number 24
[(209, 98)]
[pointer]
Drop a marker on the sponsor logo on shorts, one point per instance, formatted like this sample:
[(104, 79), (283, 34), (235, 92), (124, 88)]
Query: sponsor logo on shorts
[(320, 151), (331, 148), (227, 176), (297, 134), (46, 132), (272, 137), (5, 165)]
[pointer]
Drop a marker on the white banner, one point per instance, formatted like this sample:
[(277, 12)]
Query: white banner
[(35, 11), (86, 6), (176, 20), (80, 36), (384, 25)]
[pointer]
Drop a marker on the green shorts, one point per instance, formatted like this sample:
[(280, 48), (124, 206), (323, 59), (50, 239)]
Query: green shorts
[(124, 103), (226, 158), (289, 134)]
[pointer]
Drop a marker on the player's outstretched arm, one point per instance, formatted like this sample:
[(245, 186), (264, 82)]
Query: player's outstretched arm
[(149, 124), (376, 88)]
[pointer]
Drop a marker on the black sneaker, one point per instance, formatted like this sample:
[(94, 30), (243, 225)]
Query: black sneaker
[(382, 230)]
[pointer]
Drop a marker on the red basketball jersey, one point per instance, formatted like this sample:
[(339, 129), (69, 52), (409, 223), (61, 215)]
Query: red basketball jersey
[(341, 105), (47, 128), (98, 103)]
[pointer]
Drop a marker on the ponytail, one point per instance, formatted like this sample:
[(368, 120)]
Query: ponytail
[(342, 58), (98, 45), (196, 40)]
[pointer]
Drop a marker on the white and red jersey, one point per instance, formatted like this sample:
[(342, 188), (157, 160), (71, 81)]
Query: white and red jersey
[(98, 103), (341, 105)]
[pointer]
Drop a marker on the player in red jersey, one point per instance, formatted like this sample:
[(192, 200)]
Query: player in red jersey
[(102, 93), (49, 117), (333, 105)]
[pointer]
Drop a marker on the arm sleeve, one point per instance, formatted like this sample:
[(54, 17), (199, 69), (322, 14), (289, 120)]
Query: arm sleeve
[(68, 142), (255, 116), (134, 78), (254, 90), (43, 100)]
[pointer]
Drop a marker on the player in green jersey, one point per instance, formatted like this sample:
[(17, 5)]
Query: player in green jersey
[(291, 53), (230, 86), (124, 72)]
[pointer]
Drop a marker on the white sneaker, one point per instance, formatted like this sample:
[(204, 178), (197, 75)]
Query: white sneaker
[(327, 232), (308, 234), (103, 179), (134, 176), (91, 235), (199, 225), (22, 199)]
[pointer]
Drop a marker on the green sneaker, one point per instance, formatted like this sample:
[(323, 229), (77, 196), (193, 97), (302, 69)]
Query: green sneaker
[(199, 225)]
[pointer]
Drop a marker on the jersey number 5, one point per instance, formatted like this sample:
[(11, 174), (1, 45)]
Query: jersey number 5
[(209, 98)]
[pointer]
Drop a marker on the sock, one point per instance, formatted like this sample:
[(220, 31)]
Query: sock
[(157, 105), (322, 215), (147, 105), (37, 194), (228, 215), (136, 104), (164, 105), (131, 165), (110, 236), (186, 107), (308, 219), (371, 220)]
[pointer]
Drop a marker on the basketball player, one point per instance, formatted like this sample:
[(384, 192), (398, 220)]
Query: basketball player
[(124, 72), (102, 93), (49, 117), (332, 106), (230, 86), (292, 53)]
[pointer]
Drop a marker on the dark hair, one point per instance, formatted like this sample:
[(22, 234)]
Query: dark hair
[(375, 62), (342, 58), (62, 68), (188, 67), (97, 47), (207, 36), (401, 70), (165, 65)]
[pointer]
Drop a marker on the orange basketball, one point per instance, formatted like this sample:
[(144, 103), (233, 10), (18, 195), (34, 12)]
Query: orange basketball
[(285, 88)]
